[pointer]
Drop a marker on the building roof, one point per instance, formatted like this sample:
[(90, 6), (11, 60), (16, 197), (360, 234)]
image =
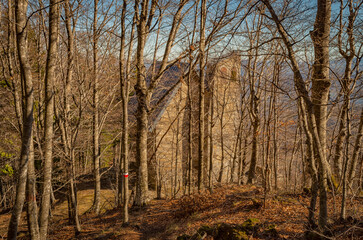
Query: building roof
[(163, 93)]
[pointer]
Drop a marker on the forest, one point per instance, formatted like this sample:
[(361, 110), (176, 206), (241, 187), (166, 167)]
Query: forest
[(181, 119)]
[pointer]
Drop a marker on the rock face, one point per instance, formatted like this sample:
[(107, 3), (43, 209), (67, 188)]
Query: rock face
[(224, 231)]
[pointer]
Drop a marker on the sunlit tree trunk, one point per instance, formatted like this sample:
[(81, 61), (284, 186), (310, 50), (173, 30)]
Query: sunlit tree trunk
[(32, 211), (96, 129), (202, 64), (223, 105), (13, 76), (356, 148), (255, 91), (125, 85), (22, 46), (143, 97), (49, 117), (211, 148), (320, 94), (68, 135)]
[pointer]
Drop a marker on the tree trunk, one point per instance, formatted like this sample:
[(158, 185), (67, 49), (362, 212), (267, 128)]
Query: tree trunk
[(12, 73), (96, 129), (142, 106), (25, 68), (320, 94), (177, 146), (190, 133), (357, 146), (254, 153), (49, 115), (314, 109), (32, 212), (124, 83), (337, 162), (221, 170), (345, 162), (68, 139), (236, 152), (202, 64), (210, 180)]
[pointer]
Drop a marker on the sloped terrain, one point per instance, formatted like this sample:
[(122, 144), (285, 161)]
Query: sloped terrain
[(228, 208), (234, 205)]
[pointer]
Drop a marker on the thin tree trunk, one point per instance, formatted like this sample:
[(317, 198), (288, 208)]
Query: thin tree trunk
[(275, 148), (26, 76), (356, 148), (12, 75), (239, 157), (96, 130), (210, 180), (177, 147), (190, 134), (49, 115), (32, 212), (202, 64), (337, 161), (68, 143), (125, 85), (221, 170), (20, 15), (346, 162), (348, 83), (254, 153), (73, 195), (255, 90)]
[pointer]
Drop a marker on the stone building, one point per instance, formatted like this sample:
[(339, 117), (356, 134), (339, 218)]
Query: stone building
[(175, 108)]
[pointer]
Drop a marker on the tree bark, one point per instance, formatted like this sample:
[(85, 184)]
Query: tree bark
[(96, 130), (142, 104), (12, 66), (314, 109), (221, 170), (32, 211), (202, 63), (49, 115), (320, 94), (211, 148), (356, 148), (254, 83), (125, 85), (25, 69), (68, 137)]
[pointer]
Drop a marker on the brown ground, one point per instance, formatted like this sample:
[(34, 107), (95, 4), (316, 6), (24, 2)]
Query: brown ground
[(167, 219)]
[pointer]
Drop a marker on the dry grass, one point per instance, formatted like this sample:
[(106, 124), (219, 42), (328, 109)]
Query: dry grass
[(60, 211), (167, 219)]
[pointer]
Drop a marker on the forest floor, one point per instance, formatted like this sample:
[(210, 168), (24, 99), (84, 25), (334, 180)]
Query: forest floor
[(168, 219)]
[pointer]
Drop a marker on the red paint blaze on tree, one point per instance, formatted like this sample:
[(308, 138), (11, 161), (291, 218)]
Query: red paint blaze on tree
[(126, 175)]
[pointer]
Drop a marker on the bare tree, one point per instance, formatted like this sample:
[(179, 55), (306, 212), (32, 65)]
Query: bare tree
[(347, 84), (69, 135), (96, 129), (202, 65), (255, 92), (25, 69), (144, 18), (314, 108), (49, 115), (125, 88)]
